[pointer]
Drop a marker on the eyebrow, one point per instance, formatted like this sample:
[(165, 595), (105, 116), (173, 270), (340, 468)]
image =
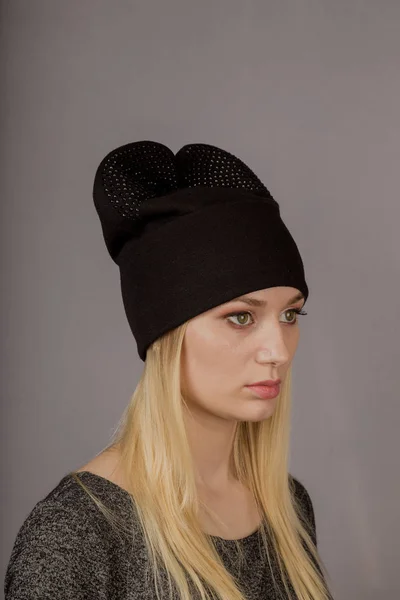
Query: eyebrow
[(255, 302)]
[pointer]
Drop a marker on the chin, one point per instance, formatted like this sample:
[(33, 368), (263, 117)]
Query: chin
[(261, 413)]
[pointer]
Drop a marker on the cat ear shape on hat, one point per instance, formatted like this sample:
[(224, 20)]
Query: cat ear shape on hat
[(210, 166), (134, 186), (126, 178)]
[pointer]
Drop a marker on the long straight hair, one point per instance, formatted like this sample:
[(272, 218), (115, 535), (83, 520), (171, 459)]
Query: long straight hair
[(158, 471)]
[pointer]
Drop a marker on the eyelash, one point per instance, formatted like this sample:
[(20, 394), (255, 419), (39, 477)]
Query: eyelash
[(298, 311)]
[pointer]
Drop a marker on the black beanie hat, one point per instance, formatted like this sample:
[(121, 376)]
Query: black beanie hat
[(189, 232)]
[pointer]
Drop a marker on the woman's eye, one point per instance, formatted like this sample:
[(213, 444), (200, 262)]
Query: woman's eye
[(239, 315), (243, 321), (296, 311)]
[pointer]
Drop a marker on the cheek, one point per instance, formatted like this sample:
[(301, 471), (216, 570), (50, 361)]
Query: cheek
[(209, 365), (293, 342)]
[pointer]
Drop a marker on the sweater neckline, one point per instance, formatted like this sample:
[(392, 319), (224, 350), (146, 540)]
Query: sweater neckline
[(107, 482)]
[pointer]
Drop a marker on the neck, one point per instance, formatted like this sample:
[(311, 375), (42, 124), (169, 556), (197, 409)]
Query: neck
[(211, 443)]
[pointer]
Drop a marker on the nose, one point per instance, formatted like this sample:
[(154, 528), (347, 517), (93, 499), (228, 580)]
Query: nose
[(273, 347)]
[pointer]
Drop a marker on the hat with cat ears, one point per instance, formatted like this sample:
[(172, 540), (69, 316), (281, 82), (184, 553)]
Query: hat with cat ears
[(189, 231)]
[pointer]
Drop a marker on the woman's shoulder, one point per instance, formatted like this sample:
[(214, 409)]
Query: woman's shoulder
[(65, 546), (303, 499), (299, 489), (74, 498)]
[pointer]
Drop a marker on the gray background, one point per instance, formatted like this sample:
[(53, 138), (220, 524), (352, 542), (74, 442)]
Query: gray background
[(308, 93)]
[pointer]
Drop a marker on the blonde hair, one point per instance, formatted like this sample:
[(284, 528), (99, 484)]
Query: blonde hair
[(157, 464)]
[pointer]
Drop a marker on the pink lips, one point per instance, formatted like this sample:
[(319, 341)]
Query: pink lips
[(265, 391)]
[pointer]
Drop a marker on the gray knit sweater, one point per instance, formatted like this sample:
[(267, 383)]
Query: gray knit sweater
[(66, 550)]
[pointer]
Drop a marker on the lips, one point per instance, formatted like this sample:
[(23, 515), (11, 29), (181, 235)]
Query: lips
[(265, 391)]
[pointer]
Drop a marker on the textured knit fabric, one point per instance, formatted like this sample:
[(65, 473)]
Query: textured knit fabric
[(66, 550)]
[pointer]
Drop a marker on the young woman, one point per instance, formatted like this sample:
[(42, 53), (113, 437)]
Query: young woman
[(193, 494)]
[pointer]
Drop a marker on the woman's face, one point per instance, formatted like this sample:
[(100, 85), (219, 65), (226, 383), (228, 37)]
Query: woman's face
[(223, 352)]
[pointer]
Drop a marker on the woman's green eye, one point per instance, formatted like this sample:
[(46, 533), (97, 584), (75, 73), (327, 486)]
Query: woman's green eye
[(240, 317)]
